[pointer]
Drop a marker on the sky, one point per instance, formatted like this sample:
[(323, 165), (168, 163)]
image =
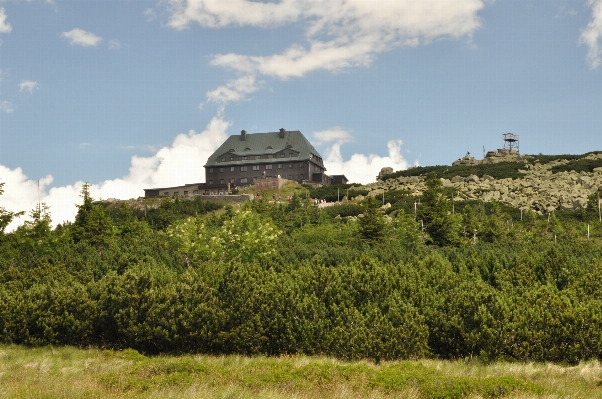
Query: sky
[(135, 94)]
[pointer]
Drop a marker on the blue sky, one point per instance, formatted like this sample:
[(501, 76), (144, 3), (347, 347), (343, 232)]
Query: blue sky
[(135, 94)]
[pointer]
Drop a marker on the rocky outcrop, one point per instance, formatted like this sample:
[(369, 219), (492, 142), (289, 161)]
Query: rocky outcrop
[(539, 189)]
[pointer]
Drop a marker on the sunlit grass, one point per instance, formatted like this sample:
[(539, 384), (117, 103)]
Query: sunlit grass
[(77, 373)]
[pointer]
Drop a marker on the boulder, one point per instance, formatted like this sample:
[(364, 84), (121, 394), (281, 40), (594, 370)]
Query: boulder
[(446, 182), (472, 178), (457, 179)]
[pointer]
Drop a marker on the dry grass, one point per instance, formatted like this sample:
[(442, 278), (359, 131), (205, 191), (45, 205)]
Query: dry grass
[(76, 373)]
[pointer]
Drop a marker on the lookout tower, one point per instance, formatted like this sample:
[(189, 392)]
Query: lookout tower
[(511, 142)]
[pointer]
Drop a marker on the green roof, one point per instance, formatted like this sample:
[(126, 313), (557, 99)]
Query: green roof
[(263, 144)]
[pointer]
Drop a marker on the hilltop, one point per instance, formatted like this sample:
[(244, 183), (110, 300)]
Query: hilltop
[(543, 183)]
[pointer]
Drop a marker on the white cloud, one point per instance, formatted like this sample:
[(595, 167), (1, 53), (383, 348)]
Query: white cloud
[(235, 90), (591, 34), (339, 33), (150, 14), (28, 85), (333, 134), (178, 164), (7, 107), (114, 44), (4, 25), (362, 168), (82, 38)]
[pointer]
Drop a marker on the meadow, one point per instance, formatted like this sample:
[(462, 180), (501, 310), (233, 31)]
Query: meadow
[(67, 372)]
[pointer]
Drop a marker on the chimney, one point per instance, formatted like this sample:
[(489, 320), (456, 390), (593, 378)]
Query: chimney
[(243, 135), (281, 134)]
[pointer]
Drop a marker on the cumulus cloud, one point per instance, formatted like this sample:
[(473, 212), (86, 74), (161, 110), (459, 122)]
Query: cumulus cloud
[(334, 134), (235, 90), (28, 86), (339, 33), (4, 25), (6, 107), (82, 38), (361, 168), (590, 35), (178, 164)]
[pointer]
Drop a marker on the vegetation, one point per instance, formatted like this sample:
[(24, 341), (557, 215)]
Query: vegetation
[(450, 281), (503, 170), (69, 372)]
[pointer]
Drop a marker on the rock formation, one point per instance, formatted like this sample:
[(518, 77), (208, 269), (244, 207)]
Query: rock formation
[(539, 189)]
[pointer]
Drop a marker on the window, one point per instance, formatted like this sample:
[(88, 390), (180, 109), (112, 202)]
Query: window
[(270, 156), (255, 167), (291, 155), (166, 193), (221, 170), (316, 169), (231, 168), (224, 159), (301, 176), (290, 165), (243, 179), (282, 155), (301, 164), (210, 170), (257, 156), (221, 181), (245, 158), (210, 181), (185, 192), (232, 180), (231, 158), (176, 193), (268, 166), (195, 192), (279, 166), (243, 168)]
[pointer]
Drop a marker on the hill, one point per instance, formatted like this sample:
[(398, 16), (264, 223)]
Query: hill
[(543, 183)]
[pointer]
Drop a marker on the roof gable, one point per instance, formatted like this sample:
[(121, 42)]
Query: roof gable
[(263, 144)]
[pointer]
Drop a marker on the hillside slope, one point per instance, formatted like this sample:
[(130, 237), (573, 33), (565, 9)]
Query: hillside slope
[(542, 183)]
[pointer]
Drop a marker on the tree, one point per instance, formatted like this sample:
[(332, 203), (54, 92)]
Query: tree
[(246, 236), (372, 225), (435, 211), (39, 227), (91, 221), (6, 217)]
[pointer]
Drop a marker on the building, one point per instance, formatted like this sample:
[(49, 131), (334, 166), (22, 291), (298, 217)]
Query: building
[(243, 159)]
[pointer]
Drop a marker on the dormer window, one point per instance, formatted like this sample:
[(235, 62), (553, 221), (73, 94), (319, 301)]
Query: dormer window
[(289, 146), (247, 149), (269, 147), (224, 159)]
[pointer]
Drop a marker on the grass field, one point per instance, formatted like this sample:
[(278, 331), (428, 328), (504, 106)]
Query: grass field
[(77, 373)]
